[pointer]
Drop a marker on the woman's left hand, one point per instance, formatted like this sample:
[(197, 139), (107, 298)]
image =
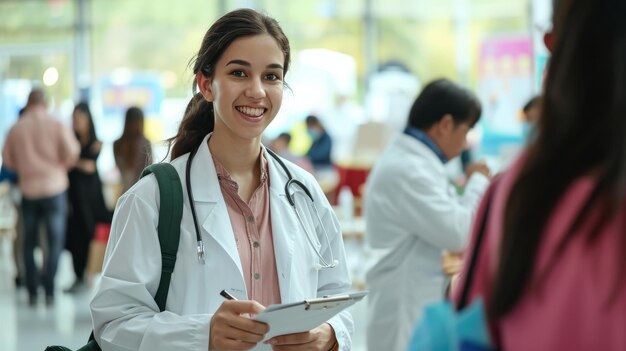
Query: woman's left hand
[(321, 338)]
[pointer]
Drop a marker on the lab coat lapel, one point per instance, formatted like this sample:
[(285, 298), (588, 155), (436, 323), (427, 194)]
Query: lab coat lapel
[(210, 206), (284, 227), (217, 224)]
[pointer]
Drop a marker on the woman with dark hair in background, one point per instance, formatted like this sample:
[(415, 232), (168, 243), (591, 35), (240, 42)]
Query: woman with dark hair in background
[(132, 151), (87, 206), (257, 247), (552, 261)]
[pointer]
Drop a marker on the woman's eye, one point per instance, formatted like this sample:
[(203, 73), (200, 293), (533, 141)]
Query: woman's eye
[(272, 77), (238, 73)]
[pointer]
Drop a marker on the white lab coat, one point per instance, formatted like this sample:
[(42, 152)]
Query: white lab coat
[(124, 312), (412, 210)]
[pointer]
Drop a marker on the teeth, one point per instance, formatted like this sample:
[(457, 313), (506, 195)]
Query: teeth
[(252, 112)]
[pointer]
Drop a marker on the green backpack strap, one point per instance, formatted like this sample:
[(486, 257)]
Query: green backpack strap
[(170, 216)]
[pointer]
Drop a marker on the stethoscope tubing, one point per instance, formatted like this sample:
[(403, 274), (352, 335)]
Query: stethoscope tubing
[(290, 181), (200, 244)]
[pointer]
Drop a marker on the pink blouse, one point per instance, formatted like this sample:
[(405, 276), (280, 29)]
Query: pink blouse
[(581, 305), (252, 226)]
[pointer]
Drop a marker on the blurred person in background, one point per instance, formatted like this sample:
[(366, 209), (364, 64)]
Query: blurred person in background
[(413, 211), (552, 260), (40, 149), (132, 151), (280, 145), (9, 176), (321, 148), (87, 206), (11, 191)]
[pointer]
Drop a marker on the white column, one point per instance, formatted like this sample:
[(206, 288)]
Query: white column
[(462, 39), (82, 50)]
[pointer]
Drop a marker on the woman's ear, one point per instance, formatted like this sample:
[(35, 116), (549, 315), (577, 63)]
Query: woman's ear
[(204, 85)]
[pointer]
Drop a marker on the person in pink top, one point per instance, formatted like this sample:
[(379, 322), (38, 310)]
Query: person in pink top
[(41, 150), (552, 264)]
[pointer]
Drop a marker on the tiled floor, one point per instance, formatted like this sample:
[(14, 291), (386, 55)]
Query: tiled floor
[(68, 322)]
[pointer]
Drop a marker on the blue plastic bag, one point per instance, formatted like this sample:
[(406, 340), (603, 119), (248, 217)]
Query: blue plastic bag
[(446, 327), (442, 328)]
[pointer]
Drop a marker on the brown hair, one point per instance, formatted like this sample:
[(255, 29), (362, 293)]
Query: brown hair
[(198, 120), (582, 129), (129, 148)]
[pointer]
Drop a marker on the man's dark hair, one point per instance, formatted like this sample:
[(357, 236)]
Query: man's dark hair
[(442, 97)]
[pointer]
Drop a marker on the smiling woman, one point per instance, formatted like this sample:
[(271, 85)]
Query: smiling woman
[(258, 248), (246, 89)]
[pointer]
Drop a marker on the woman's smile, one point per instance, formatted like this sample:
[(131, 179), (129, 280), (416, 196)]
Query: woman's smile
[(253, 114)]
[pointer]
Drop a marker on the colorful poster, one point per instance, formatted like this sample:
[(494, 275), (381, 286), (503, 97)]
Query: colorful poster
[(505, 85), (142, 90)]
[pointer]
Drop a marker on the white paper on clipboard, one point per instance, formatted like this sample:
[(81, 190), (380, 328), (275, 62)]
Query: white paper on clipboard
[(303, 316)]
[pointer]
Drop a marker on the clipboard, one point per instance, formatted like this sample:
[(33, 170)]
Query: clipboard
[(303, 316)]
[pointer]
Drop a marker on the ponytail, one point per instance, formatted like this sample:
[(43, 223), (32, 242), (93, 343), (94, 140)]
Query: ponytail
[(197, 122)]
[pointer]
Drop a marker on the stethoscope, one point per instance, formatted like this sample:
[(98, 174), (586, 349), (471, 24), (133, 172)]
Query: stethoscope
[(291, 198)]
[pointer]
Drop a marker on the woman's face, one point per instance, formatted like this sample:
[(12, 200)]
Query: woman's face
[(246, 87), (80, 121)]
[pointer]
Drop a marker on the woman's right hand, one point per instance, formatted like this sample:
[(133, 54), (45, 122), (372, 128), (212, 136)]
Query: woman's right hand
[(232, 329)]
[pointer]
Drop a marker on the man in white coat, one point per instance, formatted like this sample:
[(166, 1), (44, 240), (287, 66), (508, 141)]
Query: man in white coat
[(412, 210)]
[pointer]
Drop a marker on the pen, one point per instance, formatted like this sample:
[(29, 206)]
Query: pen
[(227, 295)]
